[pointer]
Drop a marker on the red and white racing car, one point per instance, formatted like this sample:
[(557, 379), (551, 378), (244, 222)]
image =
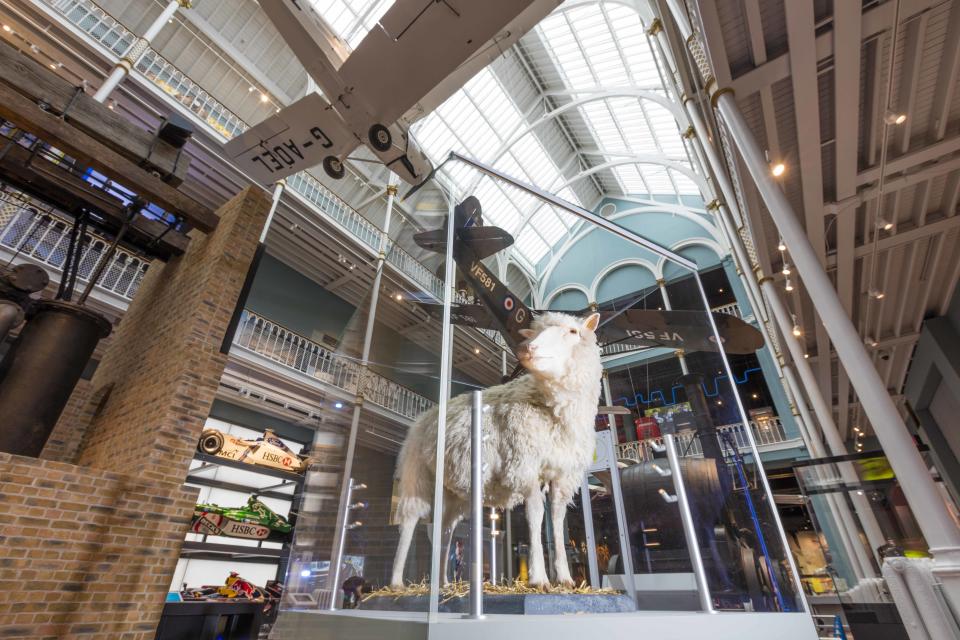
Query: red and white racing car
[(268, 451)]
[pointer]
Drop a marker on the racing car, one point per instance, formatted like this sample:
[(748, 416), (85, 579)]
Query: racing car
[(234, 587), (255, 520), (268, 451)]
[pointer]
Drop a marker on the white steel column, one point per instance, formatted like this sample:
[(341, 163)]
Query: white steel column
[(277, 192), (608, 400), (939, 529), (668, 307), (137, 49), (338, 534)]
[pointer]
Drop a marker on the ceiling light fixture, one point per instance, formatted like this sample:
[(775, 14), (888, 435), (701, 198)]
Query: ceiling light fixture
[(476, 350), (786, 269), (883, 223), (871, 341), (398, 297), (264, 97), (806, 356), (796, 331), (892, 117), (778, 169), (7, 28), (877, 294), (789, 285), (781, 246)]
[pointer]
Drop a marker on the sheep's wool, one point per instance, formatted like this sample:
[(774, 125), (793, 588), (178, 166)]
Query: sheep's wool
[(538, 433)]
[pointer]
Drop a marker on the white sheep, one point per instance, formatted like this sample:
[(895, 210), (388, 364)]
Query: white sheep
[(538, 436)]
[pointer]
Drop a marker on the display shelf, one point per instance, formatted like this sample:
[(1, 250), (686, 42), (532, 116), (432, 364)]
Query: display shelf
[(243, 466), (241, 488), (196, 550)]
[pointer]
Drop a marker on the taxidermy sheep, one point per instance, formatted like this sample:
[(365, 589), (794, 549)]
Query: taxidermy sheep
[(538, 437)]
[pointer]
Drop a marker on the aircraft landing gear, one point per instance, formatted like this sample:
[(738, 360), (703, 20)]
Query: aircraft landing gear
[(380, 138), (333, 167)]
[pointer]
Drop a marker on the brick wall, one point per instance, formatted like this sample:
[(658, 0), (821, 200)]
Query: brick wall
[(89, 550), (85, 553), (162, 370)]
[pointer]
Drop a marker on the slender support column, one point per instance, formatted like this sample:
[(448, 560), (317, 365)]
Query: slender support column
[(136, 50), (839, 510), (274, 203), (446, 363), (339, 531), (508, 545), (608, 401), (493, 544), (669, 307), (824, 413), (476, 507), (939, 529)]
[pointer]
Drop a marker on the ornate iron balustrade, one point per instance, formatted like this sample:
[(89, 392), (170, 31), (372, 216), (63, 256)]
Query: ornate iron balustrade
[(278, 344), (44, 236), (767, 432)]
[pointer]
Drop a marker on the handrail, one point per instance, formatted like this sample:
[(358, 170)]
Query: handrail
[(45, 236), (765, 432), (283, 346)]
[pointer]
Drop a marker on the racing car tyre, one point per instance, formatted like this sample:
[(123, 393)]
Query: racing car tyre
[(333, 167), (211, 442), (380, 138)]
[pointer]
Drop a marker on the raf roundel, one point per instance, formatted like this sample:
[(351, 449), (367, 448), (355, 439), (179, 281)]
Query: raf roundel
[(508, 303)]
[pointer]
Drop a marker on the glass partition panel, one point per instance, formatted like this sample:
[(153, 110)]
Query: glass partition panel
[(616, 462)]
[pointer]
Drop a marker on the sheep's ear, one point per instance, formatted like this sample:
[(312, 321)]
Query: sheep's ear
[(592, 322), (527, 333)]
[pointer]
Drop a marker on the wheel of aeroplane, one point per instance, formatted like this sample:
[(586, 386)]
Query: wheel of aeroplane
[(380, 137), (333, 167)]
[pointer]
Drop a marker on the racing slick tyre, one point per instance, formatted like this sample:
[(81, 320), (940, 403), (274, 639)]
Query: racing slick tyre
[(211, 442), (333, 167), (380, 138)]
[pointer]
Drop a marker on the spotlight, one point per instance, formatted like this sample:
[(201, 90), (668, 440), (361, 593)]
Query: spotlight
[(112, 105), (806, 356), (786, 269), (778, 169), (892, 117), (476, 350), (883, 223), (877, 294), (251, 89), (754, 396), (7, 28), (856, 429), (398, 297), (796, 331), (338, 405), (305, 573), (871, 341), (789, 285), (264, 97), (781, 246)]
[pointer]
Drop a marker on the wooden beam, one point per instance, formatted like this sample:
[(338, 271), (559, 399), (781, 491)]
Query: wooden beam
[(28, 116), (39, 84), (65, 190)]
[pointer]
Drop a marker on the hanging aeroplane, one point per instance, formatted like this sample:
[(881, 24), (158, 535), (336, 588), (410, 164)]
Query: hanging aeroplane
[(502, 310), (416, 56)]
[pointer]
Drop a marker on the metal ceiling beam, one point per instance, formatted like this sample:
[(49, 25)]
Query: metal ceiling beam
[(846, 82), (911, 160), (874, 22), (947, 77), (909, 77)]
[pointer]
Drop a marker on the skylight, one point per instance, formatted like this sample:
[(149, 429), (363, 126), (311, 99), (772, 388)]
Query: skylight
[(352, 19)]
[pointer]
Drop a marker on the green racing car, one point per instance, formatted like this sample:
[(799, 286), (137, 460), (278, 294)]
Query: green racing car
[(255, 520)]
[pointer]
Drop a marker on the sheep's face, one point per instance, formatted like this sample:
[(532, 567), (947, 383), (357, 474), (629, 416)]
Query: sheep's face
[(555, 342)]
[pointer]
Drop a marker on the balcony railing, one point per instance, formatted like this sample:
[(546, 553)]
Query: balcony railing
[(280, 345), (765, 433), (45, 236)]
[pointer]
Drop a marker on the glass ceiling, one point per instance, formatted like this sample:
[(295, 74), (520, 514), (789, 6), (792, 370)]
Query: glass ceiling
[(589, 52)]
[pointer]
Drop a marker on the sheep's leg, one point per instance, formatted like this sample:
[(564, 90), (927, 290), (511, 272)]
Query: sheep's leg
[(538, 572), (451, 518), (558, 511), (407, 526)]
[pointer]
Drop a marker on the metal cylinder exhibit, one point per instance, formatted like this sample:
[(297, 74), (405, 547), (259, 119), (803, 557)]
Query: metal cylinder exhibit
[(41, 369), (11, 315)]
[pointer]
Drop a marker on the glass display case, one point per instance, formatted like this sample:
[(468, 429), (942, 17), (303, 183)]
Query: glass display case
[(538, 499)]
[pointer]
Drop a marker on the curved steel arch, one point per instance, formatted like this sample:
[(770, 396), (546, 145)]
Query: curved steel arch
[(693, 242)]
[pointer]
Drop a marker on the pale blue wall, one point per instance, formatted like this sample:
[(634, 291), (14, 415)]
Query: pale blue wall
[(598, 249)]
